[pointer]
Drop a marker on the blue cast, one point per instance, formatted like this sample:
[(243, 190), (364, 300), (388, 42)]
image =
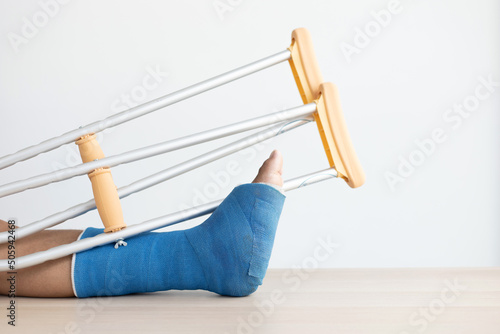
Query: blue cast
[(228, 254)]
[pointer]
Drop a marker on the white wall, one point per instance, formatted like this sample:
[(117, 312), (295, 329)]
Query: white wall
[(395, 90)]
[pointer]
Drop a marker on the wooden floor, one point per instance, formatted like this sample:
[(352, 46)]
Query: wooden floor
[(389, 301)]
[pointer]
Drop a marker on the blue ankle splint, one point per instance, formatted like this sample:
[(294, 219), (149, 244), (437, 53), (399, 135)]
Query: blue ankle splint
[(228, 254)]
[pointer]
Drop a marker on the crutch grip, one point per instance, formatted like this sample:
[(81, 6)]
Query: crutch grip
[(104, 189), (304, 65), (335, 136)]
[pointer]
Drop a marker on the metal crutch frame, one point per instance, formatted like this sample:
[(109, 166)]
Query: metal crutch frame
[(321, 104)]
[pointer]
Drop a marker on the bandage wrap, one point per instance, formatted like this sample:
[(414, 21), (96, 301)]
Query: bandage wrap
[(228, 254)]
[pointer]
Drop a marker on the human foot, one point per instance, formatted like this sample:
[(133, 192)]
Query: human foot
[(234, 245)]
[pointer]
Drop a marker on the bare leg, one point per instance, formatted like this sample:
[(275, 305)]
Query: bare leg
[(53, 278), (50, 279)]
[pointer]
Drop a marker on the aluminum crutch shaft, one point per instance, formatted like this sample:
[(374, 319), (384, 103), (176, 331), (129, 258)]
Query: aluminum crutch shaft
[(144, 109), (150, 225), (159, 177), (153, 150)]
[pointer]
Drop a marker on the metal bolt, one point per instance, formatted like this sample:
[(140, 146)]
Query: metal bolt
[(120, 242)]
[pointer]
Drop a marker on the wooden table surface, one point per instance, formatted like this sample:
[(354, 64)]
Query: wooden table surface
[(398, 301)]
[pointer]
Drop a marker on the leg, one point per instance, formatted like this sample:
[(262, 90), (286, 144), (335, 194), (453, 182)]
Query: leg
[(227, 254), (50, 279), (53, 279)]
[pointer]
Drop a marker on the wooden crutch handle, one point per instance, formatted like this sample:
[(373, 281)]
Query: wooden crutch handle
[(104, 189)]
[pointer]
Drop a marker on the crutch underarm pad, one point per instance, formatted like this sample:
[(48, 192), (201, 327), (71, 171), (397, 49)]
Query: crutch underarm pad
[(304, 65), (335, 136)]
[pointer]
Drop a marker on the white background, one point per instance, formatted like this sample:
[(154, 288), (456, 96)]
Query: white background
[(395, 91)]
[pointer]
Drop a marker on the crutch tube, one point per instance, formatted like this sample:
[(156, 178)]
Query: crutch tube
[(320, 98), (159, 177), (143, 109), (150, 225), (157, 149)]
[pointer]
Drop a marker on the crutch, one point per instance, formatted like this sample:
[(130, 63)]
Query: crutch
[(321, 104)]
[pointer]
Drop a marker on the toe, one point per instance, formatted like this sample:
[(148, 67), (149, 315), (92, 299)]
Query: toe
[(271, 170)]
